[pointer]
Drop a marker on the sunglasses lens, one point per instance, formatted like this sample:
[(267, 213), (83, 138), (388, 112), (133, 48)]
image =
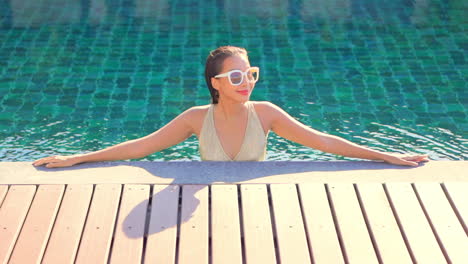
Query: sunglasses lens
[(252, 75), (236, 77)]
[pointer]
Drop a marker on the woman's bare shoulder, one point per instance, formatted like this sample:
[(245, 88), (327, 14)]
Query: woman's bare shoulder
[(267, 112), (195, 116), (197, 111), (265, 107)]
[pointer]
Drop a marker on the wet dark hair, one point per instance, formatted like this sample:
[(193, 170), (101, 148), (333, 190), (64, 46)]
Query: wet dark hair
[(214, 65)]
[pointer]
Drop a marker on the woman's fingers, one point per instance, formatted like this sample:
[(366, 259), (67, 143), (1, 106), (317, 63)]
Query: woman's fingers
[(408, 160), (411, 163), (42, 161), (416, 158), (52, 162), (403, 161)]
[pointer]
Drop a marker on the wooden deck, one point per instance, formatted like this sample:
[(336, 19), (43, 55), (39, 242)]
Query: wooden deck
[(303, 222)]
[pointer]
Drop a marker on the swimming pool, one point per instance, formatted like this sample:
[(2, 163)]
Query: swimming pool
[(77, 76)]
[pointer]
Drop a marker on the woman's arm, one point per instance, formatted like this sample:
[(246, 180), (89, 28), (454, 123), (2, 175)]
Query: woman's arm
[(286, 126), (171, 134)]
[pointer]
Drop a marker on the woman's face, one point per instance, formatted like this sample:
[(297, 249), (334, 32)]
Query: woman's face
[(227, 91)]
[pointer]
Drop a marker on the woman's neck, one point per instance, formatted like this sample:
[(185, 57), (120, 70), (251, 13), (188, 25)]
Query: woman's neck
[(228, 110)]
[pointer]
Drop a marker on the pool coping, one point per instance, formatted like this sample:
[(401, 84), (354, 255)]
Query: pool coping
[(196, 172)]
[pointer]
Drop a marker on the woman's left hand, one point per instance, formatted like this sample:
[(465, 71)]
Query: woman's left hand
[(406, 159)]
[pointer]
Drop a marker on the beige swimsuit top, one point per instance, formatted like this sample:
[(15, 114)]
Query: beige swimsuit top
[(253, 147)]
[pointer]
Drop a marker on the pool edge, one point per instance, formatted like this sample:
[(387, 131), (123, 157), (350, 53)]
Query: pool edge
[(195, 172)]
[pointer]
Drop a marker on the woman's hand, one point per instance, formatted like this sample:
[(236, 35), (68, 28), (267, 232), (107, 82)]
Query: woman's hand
[(405, 159), (58, 161)]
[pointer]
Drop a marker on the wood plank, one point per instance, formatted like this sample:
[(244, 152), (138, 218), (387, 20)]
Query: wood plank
[(354, 234), (12, 215), (290, 230), (421, 240), (258, 230), (458, 194), (162, 232), (318, 219), (130, 229), (99, 228), (66, 234), (445, 222), (225, 225), (36, 230), (389, 240), (193, 243)]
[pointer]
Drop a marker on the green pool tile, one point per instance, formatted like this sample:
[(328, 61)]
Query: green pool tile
[(374, 65)]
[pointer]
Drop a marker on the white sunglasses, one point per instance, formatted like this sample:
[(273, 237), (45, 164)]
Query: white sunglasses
[(236, 77)]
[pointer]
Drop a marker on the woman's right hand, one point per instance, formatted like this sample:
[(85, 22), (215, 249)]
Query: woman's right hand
[(58, 161)]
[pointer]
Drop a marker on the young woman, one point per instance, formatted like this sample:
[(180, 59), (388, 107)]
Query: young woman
[(232, 128)]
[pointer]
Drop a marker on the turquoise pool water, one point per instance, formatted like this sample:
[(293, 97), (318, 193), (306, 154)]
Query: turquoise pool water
[(76, 76)]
